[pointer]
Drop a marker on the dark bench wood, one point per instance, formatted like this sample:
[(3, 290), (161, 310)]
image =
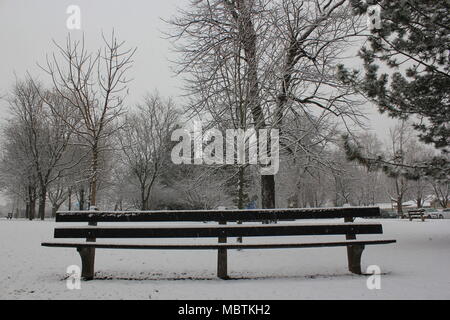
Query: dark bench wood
[(221, 231)]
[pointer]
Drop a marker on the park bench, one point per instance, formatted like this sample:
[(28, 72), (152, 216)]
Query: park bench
[(252, 227), (416, 214)]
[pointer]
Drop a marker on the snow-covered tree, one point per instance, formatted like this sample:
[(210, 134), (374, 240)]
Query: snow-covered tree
[(146, 145), (93, 86)]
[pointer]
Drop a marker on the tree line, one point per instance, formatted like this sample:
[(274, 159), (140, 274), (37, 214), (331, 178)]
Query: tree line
[(247, 64)]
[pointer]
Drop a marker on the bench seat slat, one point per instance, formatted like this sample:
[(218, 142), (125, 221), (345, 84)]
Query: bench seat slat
[(218, 231), (217, 215), (214, 246)]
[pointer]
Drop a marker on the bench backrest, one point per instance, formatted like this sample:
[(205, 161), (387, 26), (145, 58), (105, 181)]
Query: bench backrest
[(244, 215), (220, 231)]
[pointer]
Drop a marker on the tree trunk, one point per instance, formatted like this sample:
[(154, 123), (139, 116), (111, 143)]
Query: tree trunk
[(419, 203), (143, 198), (32, 209), (42, 200), (54, 209), (81, 202), (241, 191), (249, 41), (32, 202), (241, 194), (27, 210), (399, 205), (268, 192), (69, 205), (93, 182)]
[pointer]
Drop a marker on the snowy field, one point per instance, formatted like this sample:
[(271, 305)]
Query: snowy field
[(417, 267)]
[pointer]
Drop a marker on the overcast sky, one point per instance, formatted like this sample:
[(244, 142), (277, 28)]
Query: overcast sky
[(27, 28)]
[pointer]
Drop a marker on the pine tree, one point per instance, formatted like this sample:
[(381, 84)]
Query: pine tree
[(413, 44)]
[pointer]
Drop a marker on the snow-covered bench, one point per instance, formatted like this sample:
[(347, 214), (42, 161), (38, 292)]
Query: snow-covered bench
[(222, 231), (416, 214)]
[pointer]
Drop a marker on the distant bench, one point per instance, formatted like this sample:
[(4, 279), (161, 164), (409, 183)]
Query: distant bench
[(416, 214), (220, 231)]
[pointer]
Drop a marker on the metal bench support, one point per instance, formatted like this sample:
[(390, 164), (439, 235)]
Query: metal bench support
[(354, 253), (222, 271), (88, 258), (87, 262), (222, 261)]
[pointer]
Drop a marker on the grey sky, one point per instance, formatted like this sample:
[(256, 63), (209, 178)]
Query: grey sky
[(27, 28)]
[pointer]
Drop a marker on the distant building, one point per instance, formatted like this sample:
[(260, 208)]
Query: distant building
[(431, 201), (385, 206)]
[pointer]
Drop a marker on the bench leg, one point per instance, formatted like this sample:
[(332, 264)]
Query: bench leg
[(222, 264), (222, 271), (87, 262), (354, 253), (239, 239)]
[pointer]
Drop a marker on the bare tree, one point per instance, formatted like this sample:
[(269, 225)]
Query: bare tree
[(400, 136), (93, 86), (145, 143), (122, 192), (201, 187), (263, 60), (308, 161), (58, 193), (368, 182), (17, 171), (442, 192), (47, 137), (419, 187)]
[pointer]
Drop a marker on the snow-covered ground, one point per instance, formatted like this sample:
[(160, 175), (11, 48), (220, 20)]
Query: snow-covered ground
[(416, 267)]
